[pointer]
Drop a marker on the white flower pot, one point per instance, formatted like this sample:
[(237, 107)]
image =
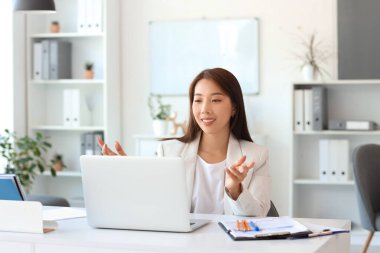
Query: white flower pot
[(308, 73), (160, 127)]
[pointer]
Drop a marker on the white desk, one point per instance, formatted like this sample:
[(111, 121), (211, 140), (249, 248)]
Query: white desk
[(75, 236)]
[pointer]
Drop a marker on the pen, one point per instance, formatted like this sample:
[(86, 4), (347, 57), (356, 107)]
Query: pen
[(246, 226), (253, 226)]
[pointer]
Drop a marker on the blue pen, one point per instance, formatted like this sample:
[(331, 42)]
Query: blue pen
[(253, 226)]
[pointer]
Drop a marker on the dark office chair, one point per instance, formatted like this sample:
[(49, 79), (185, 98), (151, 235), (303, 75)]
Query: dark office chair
[(366, 161), (48, 200), (272, 211)]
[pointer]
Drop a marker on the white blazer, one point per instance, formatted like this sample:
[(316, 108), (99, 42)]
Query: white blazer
[(255, 197)]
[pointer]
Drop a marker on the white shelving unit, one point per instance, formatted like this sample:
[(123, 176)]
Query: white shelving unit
[(45, 97), (311, 197)]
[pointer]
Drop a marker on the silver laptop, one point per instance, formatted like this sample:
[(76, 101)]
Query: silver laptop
[(142, 193)]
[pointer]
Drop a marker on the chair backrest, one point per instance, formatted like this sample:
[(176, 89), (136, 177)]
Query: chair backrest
[(366, 164), (272, 211)]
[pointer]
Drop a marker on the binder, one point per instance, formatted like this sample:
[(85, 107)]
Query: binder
[(298, 110), (319, 108), (75, 107), (71, 107), (333, 160), (96, 149), (60, 60), (343, 160), (308, 109), (37, 60), (89, 15), (67, 101), (97, 15), (45, 59), (81, 16), (324, 165), (89, 144)]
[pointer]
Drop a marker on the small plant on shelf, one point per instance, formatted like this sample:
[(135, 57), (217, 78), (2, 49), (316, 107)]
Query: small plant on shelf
[(54, 27), (57, 161), (25, 156), (89, 72)]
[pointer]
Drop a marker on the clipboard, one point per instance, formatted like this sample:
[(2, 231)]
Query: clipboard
[(292, 230)]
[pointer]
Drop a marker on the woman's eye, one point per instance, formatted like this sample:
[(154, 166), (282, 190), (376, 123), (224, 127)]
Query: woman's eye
[(216, 100), (197, 101)]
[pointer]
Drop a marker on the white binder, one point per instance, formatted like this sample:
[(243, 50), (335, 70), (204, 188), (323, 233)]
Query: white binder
[(37, 60), (333, 160), (67, 107), (298, 110), (308, 109), (344, 160), (81, 16), (71, 107), (97, 16), (75, 109), (324, 165)]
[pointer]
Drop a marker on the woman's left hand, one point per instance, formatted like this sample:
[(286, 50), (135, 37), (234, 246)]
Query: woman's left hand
[(235, 175)]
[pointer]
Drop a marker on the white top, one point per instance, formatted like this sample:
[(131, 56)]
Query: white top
[(208, 191)]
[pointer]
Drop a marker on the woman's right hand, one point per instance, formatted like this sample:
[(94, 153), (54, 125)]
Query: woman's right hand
[(107, 151)]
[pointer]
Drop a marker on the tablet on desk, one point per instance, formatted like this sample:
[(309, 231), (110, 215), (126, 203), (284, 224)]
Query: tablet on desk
[(10, 188)]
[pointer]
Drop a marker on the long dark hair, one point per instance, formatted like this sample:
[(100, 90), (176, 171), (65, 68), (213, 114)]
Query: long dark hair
[(230, 85)]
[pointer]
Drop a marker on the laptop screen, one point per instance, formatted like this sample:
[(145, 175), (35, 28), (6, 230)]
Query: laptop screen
[(10, 189)]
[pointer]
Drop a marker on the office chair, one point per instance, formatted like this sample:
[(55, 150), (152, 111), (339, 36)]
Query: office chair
[(366, 163), (272, 211), (48, 200)]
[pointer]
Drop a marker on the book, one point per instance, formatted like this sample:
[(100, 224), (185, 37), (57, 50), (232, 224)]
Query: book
[(10, 188)]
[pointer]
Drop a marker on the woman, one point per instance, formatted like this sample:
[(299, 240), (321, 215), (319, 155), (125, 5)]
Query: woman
[(226, 172)]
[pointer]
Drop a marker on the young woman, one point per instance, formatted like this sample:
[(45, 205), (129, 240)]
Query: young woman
[(226, 172)]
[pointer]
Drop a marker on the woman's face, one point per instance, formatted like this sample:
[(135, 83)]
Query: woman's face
[(212, 107)]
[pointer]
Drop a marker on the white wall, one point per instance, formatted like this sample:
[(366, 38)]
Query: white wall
[(281, 21)]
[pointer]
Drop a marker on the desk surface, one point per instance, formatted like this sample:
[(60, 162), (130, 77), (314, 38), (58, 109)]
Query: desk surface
[(76, 236)]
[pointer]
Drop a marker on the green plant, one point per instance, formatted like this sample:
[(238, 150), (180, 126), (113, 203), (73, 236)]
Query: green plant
[(314, 54), (25, 156), (158, 110), (89, 65)]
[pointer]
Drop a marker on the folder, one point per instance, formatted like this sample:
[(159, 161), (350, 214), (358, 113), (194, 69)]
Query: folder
[(274, 228), (97, 16), (324, 170), (319, 108), (340, 162), (45, 60), (67, 101), (71, 107), (308, 109), (298, 110), (60, 60), (37, 60), (75, 107), (81, 16), (96, 149)]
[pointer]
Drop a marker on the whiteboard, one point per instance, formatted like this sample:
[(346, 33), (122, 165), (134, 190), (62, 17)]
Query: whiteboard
[(179, 50)]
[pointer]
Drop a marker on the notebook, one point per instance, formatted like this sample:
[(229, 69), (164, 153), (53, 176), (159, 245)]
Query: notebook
[(139, 193)]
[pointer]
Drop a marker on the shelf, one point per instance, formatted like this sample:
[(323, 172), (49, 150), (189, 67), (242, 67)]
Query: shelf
[(318, 182), (330, 132), (65, 35), (341, 82), (64, 128), (64, 174), (67, 81)]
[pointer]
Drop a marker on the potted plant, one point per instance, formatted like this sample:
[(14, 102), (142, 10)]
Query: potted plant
[(89, 72), (25, 156), (313, 56), (57, 161), (160, 114), (54, 27)]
